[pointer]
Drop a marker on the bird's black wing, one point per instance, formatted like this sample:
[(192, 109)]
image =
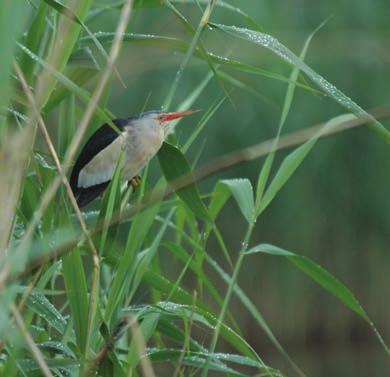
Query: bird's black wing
[(99, 140), (85, 196)]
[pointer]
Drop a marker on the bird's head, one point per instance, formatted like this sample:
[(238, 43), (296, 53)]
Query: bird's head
[(162, 119)]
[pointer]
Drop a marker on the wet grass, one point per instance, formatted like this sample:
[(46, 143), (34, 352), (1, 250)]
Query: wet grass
[(87, 292)]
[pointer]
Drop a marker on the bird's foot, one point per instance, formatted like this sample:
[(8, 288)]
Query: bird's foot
[(134, 182)]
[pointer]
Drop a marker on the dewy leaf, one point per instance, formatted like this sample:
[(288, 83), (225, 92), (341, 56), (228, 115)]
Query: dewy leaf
[(180, 45), (242, 191), (322, 277), (171, 354), (287, 55), (45, 309), (174, 165), (294, 77), (197, 314), (265, 171)]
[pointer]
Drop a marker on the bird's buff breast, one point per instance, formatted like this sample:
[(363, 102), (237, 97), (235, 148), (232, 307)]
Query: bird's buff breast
[(140, 148)]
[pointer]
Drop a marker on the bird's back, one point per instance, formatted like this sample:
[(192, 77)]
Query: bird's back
[(99, 140)]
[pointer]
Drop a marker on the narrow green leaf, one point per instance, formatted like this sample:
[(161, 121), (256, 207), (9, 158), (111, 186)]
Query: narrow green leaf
[(77, 294), (11, 11), (219, 196), (182, 46), (64, 10), (64, 364), (265, 171), (169, 354), (203, 122), (252, 308), (139, 229), (191, 49), (147, 328), (111, 203), (194, 359), (242, 192), (322, 277), (174, 165), (165, 286), (40, 248), (49, 274), (129, 276), (173, 332), (82, 76), (83, 94), (294, 78), (59, 56), (245, 86), (181, 253), (294, 160), (66, 124), (197, 314), (7, 298), (33, 40), (40, 305), (56, 347), (141, 4), (68, 12), (190, 99), (286, 170), (262, 181), (199, 47), (287, 55), (144, 259)]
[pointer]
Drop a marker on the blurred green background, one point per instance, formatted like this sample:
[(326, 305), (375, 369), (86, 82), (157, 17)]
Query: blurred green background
[(335, 209)]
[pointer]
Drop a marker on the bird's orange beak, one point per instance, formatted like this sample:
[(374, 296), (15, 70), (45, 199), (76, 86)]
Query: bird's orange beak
[(167, 117)]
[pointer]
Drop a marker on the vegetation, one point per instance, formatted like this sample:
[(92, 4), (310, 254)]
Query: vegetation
[(146, 283)]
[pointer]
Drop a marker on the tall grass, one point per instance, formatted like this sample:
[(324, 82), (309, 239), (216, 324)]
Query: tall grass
[(73, 283)]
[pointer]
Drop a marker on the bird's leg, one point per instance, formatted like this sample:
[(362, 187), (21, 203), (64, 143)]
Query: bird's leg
[(134, 182)]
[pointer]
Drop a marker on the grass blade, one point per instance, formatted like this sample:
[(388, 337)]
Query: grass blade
[(322, 277), (33, 41), (203, 22), (242, 191), (77, 295), (295, 159), (287, 55), (9, 31), (174, 165)]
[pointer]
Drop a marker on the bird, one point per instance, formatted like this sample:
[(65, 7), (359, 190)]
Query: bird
[(140, 137)]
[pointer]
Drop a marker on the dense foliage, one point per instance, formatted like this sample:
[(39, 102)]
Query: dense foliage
[(146, 282)]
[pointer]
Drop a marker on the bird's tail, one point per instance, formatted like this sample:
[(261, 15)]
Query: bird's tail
[(85, 196)]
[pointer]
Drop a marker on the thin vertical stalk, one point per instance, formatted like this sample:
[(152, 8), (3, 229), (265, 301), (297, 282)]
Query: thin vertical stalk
[(203, 22), (228, 297), (35, 351)]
